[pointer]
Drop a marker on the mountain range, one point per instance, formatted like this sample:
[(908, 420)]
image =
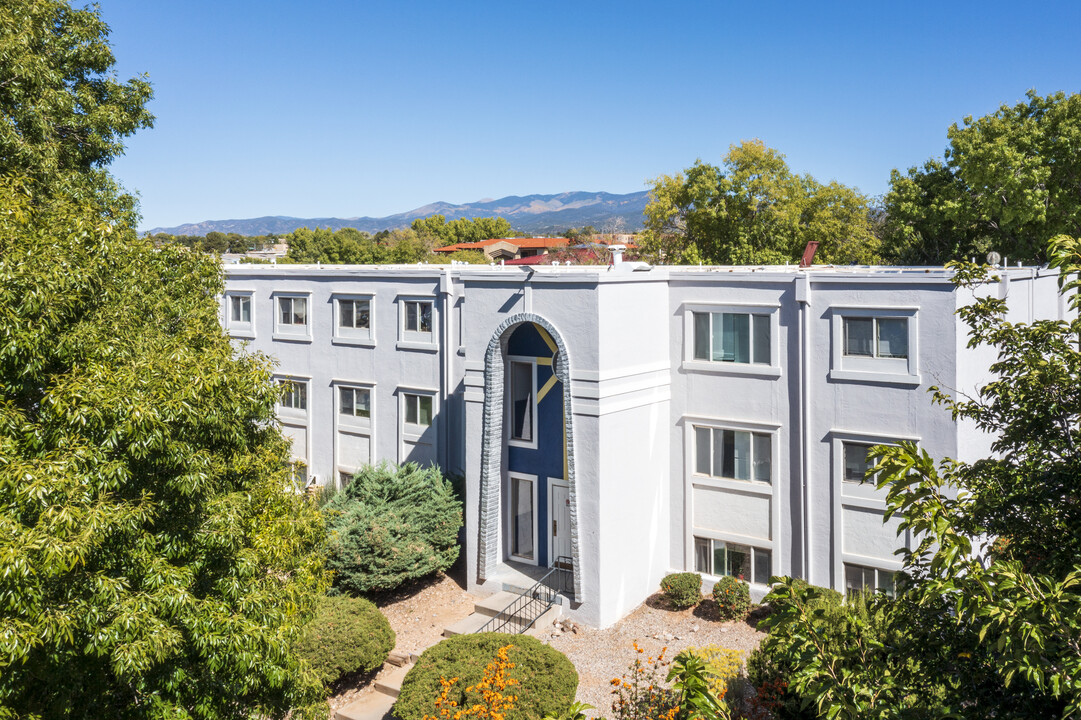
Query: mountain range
[(535, 214)]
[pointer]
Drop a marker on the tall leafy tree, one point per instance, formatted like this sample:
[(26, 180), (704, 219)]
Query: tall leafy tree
[(754, 209), (152, 562), (63, 114), (987, 620), (1009, 181)]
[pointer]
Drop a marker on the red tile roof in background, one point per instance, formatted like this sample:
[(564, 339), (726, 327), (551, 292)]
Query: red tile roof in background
[(545, 242)]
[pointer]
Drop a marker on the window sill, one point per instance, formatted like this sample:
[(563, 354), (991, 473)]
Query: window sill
[(718, 368), (356, 342), (753, 487), (527, 445), (414, 345), (361, 425), (242, 334), (865, 376), (293, 337)]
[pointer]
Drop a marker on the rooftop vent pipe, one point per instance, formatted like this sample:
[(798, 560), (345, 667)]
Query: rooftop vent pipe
[(617, 253)]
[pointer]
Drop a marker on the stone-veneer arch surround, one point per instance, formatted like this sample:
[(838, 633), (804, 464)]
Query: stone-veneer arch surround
[(494, 431)]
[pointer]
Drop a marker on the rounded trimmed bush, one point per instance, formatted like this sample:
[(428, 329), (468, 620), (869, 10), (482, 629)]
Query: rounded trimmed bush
[(682, 589), (548, 680), (733, 598), (346, 635), (392, 524)]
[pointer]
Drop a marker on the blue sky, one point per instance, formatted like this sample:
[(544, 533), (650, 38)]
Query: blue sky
[(321, 109)]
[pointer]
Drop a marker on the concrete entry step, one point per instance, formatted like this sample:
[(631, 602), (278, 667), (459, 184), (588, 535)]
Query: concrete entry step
[(375, 706), (391, 682), (467, 625), (541, 628), (494, 604)]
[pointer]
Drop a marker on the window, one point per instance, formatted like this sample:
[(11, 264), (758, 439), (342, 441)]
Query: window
[(859, 578), (523, 414), (856, 463), (876, 337), (735, 454), (240, 308), (294, 394), (344, 478), (418, 409), (293, 311), (718, 557), (523, 529), (732, 337), (354, 314), (299, 474), (356, 402), (418, 316)]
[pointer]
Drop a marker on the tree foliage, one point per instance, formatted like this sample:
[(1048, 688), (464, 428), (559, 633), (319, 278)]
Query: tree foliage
[(1009, 181), (347, 635), (151, 562), (754, 209), (63, 114), (390, 525), (461, 230), (979, 628)]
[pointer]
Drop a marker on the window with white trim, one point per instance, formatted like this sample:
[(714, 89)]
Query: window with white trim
[(720, 557), (298, 472), (355, 401), (294, 394), (856, 461), (240, 309), (875, 345), (876, 337), (733, 337), (418, 316), (292, 311), (733, 454), (860, 578), (522, 395), (418, 409)]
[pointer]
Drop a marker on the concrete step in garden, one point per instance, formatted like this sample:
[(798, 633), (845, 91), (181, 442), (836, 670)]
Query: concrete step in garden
[(391, 682), (494, 604), (467, 625), (375, 706), (399, 658)]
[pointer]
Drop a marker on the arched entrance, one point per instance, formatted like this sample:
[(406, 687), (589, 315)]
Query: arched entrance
[(505, 430)]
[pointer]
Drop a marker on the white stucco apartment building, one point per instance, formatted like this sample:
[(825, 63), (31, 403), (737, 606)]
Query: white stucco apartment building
[(631, 421)]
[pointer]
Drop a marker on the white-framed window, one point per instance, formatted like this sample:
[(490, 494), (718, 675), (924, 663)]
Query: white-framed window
[(418, 409), (355, 402), (721, 557), (733, 337), (733, 454), (417, 323), (353, 320), (240, 309), (875, 345), (861, 578), (239, 316), (292, 319), (294, 394), (344, 478), (855, 461), (522, 401), (298, 472), (522, 517)]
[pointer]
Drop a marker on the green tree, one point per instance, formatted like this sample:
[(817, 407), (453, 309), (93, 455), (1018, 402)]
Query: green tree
[(64, 115), (462, 230), (151, 562), (390, 525), (1010, 181), (978, 629), (754, 209)]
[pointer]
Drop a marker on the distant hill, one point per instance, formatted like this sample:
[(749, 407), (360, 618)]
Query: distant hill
[(535, 214)]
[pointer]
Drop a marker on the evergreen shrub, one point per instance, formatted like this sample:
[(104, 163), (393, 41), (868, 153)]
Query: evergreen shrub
[(391, 525), (682, 589), (733, 598), (346, 635), (547, 679)]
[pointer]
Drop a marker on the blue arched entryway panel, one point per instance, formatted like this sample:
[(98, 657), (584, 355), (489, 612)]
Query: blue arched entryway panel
[(494, 432)]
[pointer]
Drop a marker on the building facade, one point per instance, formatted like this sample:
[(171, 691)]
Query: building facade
[(628, 421)]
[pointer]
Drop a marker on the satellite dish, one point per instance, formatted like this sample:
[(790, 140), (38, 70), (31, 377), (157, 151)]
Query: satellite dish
[(993, 258)]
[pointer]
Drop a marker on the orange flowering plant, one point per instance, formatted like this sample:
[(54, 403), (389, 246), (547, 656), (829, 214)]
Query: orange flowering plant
[(641, 694), (492, 704)]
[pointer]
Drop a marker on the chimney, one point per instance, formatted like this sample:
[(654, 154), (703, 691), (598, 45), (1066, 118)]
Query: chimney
[(808, 254)]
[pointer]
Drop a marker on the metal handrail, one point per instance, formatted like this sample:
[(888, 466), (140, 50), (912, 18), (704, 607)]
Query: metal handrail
[(520, 614)]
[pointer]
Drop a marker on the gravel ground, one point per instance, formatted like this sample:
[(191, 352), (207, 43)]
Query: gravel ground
[(419, 613), (601, 655)]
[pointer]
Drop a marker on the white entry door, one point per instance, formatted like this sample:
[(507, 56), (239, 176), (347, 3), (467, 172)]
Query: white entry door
[(559, 511)]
